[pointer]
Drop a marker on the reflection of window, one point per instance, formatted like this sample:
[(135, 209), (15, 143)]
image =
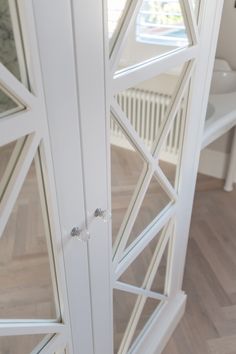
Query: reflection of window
[(115, 10), (161, 22)]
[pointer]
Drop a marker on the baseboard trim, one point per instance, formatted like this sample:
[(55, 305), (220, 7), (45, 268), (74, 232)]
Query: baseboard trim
[(213, 163), (163, 326)]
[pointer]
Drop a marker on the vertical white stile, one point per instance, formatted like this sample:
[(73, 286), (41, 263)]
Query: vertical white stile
[(55, 38), (41, 180), (177, 129), (91, 72)]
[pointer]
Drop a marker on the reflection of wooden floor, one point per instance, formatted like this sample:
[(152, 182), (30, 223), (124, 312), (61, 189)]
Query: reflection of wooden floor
[(209, 325), (127, 167), (19, 344), (26, 290)]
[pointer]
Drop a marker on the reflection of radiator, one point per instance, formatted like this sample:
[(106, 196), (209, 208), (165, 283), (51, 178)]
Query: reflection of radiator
[(146, 111)]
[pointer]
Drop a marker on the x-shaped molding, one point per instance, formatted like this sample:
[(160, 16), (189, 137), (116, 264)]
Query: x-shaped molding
[(130, 13), (153, 168), (119, 82)]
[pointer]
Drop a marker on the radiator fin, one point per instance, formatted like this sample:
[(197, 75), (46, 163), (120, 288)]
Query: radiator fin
[(146, 111)]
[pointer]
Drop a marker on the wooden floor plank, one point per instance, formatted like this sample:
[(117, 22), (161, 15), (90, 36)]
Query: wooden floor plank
[(210, 275)]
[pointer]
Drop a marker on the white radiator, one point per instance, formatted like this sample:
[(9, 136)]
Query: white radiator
[(146, 111)]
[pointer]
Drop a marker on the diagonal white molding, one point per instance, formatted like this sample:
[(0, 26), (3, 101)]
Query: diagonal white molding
[(119, 44), (15, 89), (190, 21)]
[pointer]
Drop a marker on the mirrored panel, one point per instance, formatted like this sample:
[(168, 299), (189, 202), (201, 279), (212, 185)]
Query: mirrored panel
[(169, 157), (27, 277), (146, 104), (158, 28), (8, 105), (136, 274), (131, 314), (147, 108), (9, 154), (149, 269), (123, 306), (126, 168), (160, 281), (11, 46), (24, 344), (116, 10), (149, 308), (5, 154), (155, 201)]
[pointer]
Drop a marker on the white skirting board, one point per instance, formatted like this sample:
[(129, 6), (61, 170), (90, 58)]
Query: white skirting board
[(163, 327), (213, 163)]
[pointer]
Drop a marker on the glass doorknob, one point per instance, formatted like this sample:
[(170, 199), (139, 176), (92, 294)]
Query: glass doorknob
[(82, 235), (103, 214)]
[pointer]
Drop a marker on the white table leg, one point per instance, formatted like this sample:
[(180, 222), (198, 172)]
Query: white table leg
[(231, 173)]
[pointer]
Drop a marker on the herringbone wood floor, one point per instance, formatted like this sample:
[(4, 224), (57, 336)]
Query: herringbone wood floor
[(26, 290), (209, 325)]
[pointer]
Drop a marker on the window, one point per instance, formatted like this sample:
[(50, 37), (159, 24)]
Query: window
[(161, 22), (115, 12)]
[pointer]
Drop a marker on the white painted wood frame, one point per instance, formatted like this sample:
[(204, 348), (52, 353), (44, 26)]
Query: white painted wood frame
[(70, 123), (28, 126), (58, 60), (95, 84), (199, 58)]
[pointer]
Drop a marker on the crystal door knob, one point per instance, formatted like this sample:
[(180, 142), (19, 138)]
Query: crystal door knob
[(103, 214), (76, 231), (82, 235), (100, 213)]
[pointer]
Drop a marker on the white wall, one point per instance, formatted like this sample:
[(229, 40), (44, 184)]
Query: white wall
[(226, 48)]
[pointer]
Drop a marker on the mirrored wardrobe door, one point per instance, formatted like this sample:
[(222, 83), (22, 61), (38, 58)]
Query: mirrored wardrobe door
[(151, 59), (34, 315)]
